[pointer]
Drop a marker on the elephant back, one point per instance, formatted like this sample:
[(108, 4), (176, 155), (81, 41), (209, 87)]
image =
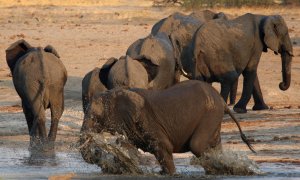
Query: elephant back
[(127, 72), (158, 50), (168, 24)]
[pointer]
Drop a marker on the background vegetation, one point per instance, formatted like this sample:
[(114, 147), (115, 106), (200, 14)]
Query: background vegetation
[(229, 3)]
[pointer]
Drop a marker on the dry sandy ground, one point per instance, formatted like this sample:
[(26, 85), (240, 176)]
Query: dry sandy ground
[(86, 34)]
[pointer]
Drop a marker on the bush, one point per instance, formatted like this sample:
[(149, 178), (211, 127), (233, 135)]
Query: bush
[(235, 3)]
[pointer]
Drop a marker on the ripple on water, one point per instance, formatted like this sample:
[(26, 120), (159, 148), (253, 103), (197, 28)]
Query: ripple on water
[(16, 163)]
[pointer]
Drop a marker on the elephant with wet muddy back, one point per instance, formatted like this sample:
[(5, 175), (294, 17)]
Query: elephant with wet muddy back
[(185, 117), (223, 49), (122, 72), (149, 64), (39, 77)]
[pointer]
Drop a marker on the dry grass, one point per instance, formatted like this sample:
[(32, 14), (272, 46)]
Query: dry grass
[(282, 10), (5, 3)]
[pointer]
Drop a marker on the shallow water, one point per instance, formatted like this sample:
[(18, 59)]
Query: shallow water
[(16, 163)]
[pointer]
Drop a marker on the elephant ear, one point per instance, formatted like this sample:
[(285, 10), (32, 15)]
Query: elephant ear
[(52, 50), (15, 51), (220, 15), (104, 71), (271, 33), (129, 105), (149, 64), (91, 85)]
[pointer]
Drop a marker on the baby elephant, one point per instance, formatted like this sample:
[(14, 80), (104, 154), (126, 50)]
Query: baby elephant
[(185, 117), (39, 77)]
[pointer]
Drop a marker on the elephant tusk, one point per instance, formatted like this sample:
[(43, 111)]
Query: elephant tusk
[(185, 74)]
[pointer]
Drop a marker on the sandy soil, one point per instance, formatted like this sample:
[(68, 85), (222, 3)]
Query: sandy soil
[(86, 34)]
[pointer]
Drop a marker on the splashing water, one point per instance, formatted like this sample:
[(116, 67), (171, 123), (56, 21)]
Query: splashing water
[(113, 153), (226, 162)]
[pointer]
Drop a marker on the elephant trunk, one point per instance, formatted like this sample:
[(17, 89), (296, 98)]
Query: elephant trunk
[(286, 58)]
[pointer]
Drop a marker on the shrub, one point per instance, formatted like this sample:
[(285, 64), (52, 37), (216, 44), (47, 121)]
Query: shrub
[(235, 3)]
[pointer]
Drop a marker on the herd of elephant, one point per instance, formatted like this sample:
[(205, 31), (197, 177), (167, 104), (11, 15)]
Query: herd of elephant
[(140, 94)]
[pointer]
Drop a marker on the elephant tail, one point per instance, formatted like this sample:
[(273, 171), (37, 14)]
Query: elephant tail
[(43, 68), (243, 136)]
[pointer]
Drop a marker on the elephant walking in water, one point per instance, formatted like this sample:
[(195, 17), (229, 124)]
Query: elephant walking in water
[(185, 117), (39, 77), (224, 49)]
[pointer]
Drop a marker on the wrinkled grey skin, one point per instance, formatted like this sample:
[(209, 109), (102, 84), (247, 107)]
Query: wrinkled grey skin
[(185, 117), (181, 28), (123, 72), (39, 77), (156, 55), (222, 50), (127, 72)]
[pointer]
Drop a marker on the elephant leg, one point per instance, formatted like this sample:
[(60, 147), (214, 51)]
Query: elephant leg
[(225, 89), (227, 82), (39, 119), (28, 116), (249, 77), (259, 103), (57, 108), (38, 129), (233, 91), (205, 138), (163, 153)]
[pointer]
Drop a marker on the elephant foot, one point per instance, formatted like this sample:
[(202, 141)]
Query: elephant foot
[(239, 110), (258, 107), (231, 103)]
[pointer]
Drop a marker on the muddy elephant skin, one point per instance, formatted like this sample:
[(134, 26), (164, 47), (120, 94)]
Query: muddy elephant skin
[(39, 77), (184, 117)]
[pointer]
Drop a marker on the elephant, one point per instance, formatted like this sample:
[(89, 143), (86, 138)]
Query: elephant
[(181, 28), (91, 84), (39, 77), (156, 55), (224, 49), (122, 72), (185, 117)]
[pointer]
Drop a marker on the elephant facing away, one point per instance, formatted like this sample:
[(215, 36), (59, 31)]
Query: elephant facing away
[(222, 50), (156, 55), (39, 77), (185, 117), (122, 72)]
